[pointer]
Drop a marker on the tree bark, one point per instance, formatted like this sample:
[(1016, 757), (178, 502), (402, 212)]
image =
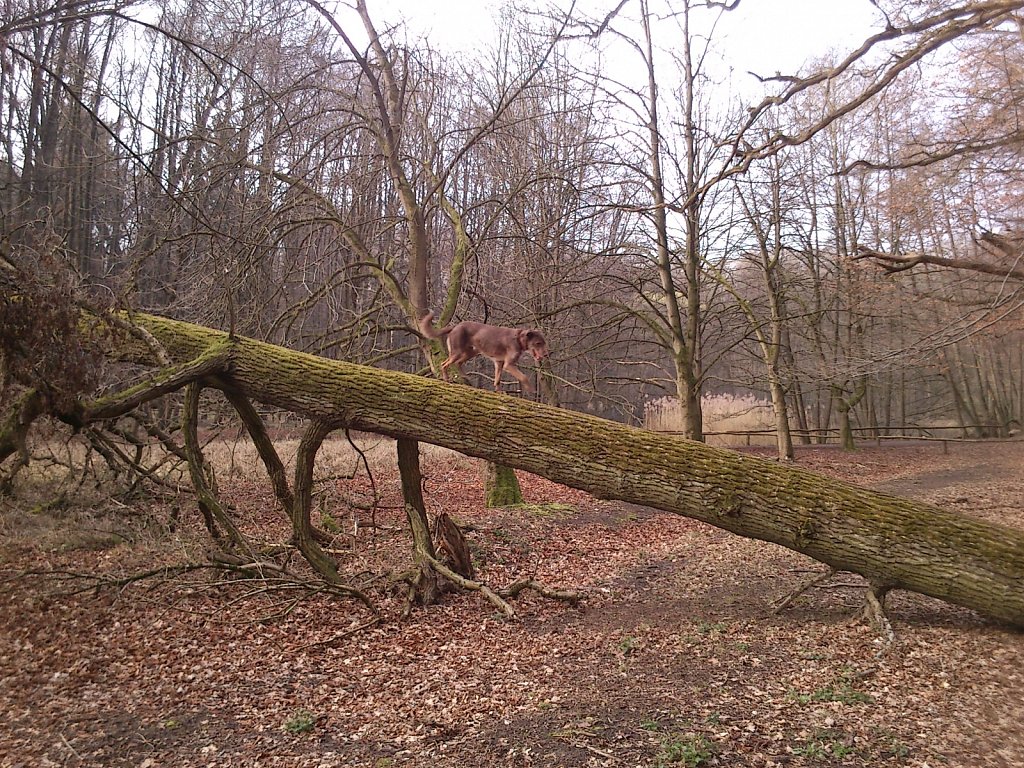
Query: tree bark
[(683, 332), (844, 405), (896, 543), (424, 586), (14, 429)]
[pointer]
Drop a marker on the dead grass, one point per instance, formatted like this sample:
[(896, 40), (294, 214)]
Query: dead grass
[(338, 457), (722, 413), (55, 510)]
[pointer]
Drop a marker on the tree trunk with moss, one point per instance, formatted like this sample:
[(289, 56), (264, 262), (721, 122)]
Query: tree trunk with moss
[(501, 486), (895, 543)]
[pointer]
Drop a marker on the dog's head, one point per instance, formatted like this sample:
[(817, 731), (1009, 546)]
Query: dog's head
[(533, 342)]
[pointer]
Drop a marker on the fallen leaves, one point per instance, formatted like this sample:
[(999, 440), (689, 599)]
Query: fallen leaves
[(674, 652)]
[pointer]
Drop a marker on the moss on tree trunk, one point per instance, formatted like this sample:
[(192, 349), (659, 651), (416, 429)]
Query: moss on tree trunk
[(501, 486)]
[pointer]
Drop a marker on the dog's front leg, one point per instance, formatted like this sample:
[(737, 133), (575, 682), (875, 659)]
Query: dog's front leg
[(523, 379)]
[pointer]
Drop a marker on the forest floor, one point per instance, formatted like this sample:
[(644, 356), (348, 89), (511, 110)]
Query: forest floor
[(674, 657)]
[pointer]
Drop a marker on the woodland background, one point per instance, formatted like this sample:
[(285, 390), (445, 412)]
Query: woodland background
[(836, 249), (300, 175)]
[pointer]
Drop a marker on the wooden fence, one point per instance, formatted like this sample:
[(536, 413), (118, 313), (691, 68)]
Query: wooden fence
[(820, 437)]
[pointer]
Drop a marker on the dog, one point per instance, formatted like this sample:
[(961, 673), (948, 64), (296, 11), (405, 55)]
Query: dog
[(503, 346)]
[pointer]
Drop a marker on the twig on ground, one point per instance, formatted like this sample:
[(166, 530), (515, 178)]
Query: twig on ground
[(475, 586), (73, 750), (786, 601), (599, 752), (341, 635), (270, 576)]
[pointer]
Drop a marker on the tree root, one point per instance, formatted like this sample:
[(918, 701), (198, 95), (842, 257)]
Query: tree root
[(474, 586), (874, 613), (499, 598), (514, 589)]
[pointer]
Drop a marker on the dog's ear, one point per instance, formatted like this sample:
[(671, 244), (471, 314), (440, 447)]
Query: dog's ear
[(523, 337), (533, 337)]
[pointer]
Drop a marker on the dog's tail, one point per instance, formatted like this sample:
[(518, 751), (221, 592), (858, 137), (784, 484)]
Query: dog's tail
[(428, 330)]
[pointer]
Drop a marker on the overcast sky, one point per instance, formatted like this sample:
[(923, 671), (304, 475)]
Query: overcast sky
[(762, 35)]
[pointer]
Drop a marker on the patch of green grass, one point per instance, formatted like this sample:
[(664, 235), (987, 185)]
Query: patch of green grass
[(685, 751), (812, 749), (628, 645), (844, 694), (300, 721), (328, 523), (825, 745), (841, 690), (711, 628), (889, 744), (898, 749), (842, 750)]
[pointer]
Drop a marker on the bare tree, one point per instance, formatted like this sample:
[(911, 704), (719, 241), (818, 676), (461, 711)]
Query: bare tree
[(673, 171), (761, 198)]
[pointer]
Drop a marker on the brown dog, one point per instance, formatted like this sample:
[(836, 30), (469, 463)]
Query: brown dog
[(468, 339)]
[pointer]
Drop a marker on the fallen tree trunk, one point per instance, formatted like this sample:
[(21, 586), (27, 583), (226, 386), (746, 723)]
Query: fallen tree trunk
[(895, 543)]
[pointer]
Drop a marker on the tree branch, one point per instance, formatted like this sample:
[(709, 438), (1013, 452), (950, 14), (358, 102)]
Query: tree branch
[(215, 361), (894, 263)]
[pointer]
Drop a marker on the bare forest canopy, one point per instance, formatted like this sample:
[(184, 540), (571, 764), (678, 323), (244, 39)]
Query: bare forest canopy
[(895, 543), (306, 177)]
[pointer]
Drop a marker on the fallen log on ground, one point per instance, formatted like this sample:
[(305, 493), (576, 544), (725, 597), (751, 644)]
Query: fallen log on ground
[(894, 543)]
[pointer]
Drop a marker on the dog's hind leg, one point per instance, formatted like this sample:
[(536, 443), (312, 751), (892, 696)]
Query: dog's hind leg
[(456, 359)]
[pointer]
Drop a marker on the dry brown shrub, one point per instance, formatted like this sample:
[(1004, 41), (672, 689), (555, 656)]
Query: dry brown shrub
[(722, 413)]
